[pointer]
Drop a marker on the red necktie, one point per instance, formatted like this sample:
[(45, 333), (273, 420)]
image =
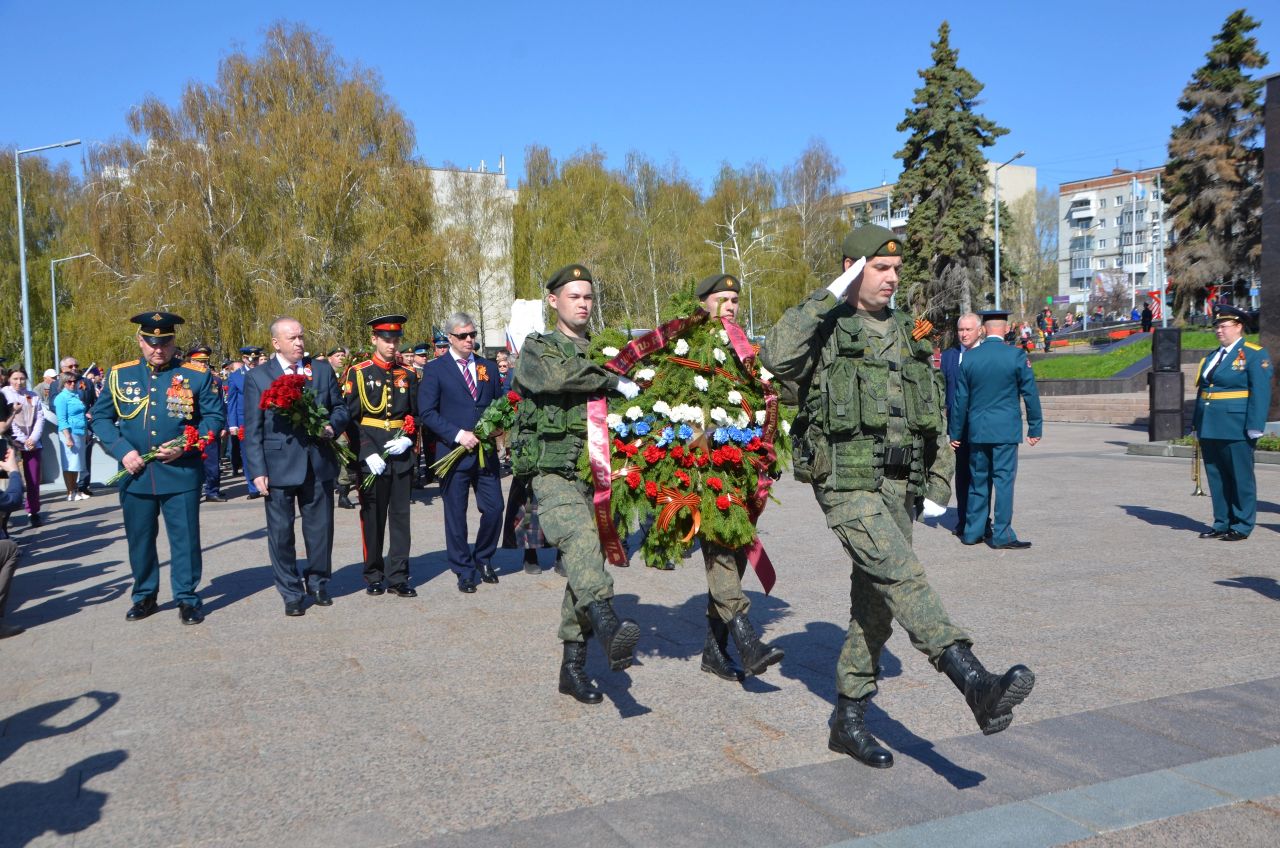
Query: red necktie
[(466, 375)]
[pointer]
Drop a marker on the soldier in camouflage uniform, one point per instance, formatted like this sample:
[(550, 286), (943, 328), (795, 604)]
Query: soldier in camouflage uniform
[(871, 438), (556, 380)]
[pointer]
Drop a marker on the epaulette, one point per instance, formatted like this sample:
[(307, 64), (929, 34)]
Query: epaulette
[(360, 365), (1253, 346), (196, 366), (127, 364)]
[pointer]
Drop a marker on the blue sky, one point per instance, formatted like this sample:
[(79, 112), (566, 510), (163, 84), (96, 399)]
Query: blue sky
[(1082, 86)]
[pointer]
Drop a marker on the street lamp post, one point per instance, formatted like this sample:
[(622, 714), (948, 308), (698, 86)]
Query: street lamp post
[(53, 302), (22, 246), (1016, 157)]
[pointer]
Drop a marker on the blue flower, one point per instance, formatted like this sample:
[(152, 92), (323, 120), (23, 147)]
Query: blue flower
[(641, 428), (665, 439), (620, 428), (721, 436), (685, 431)]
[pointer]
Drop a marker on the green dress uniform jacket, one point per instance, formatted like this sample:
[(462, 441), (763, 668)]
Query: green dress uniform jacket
[(1232, 399)]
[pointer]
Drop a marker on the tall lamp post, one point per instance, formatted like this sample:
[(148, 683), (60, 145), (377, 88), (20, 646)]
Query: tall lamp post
[(53, 300), (22, 246), (1016, 157)]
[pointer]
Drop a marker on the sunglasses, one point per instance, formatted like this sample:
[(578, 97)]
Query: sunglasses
[(470, 335)]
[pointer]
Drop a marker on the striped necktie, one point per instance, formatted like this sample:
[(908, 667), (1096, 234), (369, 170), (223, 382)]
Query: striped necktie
[(466, 375)]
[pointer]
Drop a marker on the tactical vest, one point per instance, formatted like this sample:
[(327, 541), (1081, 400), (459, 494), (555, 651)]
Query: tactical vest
[(550, 429), (840, 436)]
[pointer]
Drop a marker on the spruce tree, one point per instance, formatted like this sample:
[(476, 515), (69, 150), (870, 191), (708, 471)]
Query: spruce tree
[(944, 179), (1213, 180)]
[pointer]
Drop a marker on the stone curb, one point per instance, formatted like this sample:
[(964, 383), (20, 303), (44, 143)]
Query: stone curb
[(1184, 452)]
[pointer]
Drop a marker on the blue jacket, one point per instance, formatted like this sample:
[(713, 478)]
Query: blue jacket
[(235, 398), (71, 412), (1238, 397), (986, 409), (445, 404), (950, 367)]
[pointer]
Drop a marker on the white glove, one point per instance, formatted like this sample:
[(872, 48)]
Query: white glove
[(627, 388), (1253, 434), (929, 509), (398, 445), (234, 430), (840, 284), (376, 464)]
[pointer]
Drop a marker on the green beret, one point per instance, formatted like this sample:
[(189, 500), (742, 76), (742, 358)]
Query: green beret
[(871, 241), (717, 283), (568, 274)]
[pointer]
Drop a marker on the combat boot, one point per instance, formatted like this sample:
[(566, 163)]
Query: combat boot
[(344, 501), (849, 734), (618, 638), (573, 675), (991, 698), (756, 655), (715, 653)]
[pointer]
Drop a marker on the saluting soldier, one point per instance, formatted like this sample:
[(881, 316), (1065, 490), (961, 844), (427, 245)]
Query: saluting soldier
[(381, 396), (1233, 396), (727, 605), (556, 379), (148, 403), (871, 439), (213, 453)]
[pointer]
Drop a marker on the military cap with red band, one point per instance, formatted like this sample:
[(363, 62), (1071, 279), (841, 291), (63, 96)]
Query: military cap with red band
[(388, 326)]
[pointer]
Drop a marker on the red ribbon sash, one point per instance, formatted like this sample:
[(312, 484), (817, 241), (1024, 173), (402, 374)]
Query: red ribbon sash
[(598, 451)]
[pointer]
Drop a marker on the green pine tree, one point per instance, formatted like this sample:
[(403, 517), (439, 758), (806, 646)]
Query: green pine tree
[(1213, 180), (944, 179)]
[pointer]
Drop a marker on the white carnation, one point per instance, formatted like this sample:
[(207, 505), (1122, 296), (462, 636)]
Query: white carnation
[(646, 374), (724, 337), (718, 354), (634, 412), (760, 417), (610, 352), (786, 427), (682, 347), (765, 376), (701, 382), (662, 408), (735, 396), (718, 414), (613, 420), (742, 420)]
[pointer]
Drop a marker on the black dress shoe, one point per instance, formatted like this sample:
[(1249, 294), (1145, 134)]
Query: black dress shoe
[(1214, 534), (376, 588), (1233, 536), (141, 609), (1015, 545), (403, 590), (487, 574), (467, 588), (294, 609), (189, 614), (215, 498), (345, 502), (34, 520), (321, 597)]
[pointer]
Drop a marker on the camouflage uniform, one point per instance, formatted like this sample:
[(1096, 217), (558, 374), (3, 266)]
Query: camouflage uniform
[(870, 438)]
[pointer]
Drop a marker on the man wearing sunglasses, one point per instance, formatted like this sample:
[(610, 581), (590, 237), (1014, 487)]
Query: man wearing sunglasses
[(456, 389)]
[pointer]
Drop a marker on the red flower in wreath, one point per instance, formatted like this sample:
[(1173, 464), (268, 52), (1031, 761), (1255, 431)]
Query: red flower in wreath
[(755, 444), (722, 502), (633, 479), (651, 489), (677, 452), (654, 454), (716, 483), (683, 478), (702, 460)]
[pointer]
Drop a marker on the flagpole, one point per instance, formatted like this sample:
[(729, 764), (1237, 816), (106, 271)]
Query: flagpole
[(1133, 246), (1164, 306)]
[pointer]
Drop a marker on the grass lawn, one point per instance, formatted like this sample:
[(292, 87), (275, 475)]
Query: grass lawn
[(1103, 365)]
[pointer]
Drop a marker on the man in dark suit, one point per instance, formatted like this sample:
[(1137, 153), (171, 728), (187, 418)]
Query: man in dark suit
[(456, 389), (968, 334), (289, 466), (993, 377)]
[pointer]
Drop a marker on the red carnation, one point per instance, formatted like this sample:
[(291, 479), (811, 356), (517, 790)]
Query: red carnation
[(513, 397), (410, 426), (683, 478), (702, 460), (722, 502), (716, 483), (654, 454), (651, 489), (677, 452), (717, 456), (755, 444), (633, 479), (619, 445)]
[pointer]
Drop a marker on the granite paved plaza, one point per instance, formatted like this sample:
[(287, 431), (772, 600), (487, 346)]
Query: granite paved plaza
[(383, 721)]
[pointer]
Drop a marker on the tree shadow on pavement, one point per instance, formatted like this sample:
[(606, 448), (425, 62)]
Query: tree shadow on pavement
[(1267, 587), (1163, 518), (43, 588), (32, 724), (64, 805)]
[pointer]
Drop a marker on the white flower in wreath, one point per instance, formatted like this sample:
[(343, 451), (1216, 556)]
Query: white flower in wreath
[(719, 355), (646, 374), (701, 382), (662, 408), (760, 417), (682, 347), (724, 337), (610, 352), (634, 412), (742, 420), (718, 415), (735, 397), (765, 375), (786, 427), (612, 420)]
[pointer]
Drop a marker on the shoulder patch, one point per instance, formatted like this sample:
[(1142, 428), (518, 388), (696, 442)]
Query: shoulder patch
[(127, 364), (196, 366), (361, 365), (1253, 346)]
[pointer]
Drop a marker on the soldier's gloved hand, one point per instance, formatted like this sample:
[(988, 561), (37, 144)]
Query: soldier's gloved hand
[(840, 284), (929, 509), (627, 388), (376, 464), (398, 445), (234, 430)]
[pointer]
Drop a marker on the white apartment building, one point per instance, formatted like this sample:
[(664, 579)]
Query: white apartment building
[(1016, 181)]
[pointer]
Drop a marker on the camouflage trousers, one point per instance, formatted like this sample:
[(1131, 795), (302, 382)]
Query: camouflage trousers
[(724, 582), (564, 511), (887, 583)]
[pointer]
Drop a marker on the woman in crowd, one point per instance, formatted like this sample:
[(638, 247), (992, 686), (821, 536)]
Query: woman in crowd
[(72, 430), (25, 433)]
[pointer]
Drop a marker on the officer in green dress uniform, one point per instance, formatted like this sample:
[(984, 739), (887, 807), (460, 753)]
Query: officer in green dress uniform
[(871, 438), (727, 605), (556, 379), (1233, 396), (148, 403)]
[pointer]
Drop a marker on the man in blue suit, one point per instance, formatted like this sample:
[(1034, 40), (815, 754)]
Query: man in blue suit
[(1234, 393), (968, 335), (289, 466), (212, 453), (235, 406), (148, 403), (994, 377), (456, 389)]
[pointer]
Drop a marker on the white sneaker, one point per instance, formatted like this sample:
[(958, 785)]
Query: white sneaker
[(70, 498), (81, 496)]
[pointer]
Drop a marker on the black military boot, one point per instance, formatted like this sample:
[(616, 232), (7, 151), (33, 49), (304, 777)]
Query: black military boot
[(991, 698), (756, 655), (715, 653), (343, 500), (849, 734), (573, 676), (618, 638)]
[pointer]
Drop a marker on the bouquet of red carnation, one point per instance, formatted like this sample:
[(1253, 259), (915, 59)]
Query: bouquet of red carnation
[(409, 429), (499, 417), (189, 440), (290, 396)]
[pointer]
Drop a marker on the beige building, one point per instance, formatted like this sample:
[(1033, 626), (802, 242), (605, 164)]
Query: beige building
[(1016, 181)]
